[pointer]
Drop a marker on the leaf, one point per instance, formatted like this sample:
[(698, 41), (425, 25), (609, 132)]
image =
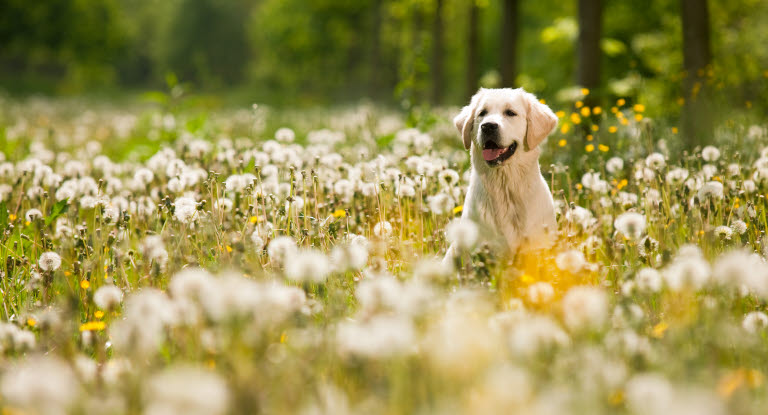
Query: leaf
[(384, 141), (3, 216), (61, 207)]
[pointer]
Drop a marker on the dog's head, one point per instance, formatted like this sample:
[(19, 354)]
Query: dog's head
[(500, 122)]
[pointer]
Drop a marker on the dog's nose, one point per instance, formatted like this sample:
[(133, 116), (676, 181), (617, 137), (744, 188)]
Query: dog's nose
[(489, 127)]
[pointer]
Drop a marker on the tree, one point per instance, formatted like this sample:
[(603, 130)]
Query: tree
[(697, 55), (510, 29), (589, 54), (437, 53), (473, 52)]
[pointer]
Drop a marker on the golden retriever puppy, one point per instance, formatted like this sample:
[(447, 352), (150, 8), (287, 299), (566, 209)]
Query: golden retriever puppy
[(507, 197)]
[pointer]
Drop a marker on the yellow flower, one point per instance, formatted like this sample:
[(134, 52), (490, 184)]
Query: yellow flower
[(621, 102), (93, 326), (98, 314), (590, 148), (458, 209), (578, 104), (585, 111), (254, 219), (562, 142), (229, 248), (659, 329), (575, 118), (590, 137), (614, 110), (12, 217), (560, 114), (639, 107), (31, 322), (283, 337), (584, 91), (565, 128), (638, 117), (622, 184), (604, 148), (339, 213), (85, 284), (624, 121), (674, 130), (597, 110), (527, 279), (612, 129), (542, 101), (595, 127), (748, 104), (730, 382)]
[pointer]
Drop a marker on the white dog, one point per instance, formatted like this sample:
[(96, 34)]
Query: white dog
[(507, 196)]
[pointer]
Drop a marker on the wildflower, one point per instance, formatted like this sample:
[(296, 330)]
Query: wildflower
[(49, 261), (677, 176), (462, 234), (285, 135), (33, 215), (382, 229), (108, 297), (648, 279), (723, 232), (258, 242), (572, 261), (188, 390), (44, 385), (185, 209), (655, 161), (379, 337), (711, 191), (448, 178), (630, 224), (349, 257), (614, 165), (754, 321), (584, 307), (710, 153), (540, 293), (739, 226), (688, 270), (441, 203), (281, 249), (307, 266)]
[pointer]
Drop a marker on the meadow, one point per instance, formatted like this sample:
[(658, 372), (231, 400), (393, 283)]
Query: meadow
[(170, 259)]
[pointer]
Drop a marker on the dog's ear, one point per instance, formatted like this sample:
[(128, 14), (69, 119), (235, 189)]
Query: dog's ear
[(541, 121), (466, 119)]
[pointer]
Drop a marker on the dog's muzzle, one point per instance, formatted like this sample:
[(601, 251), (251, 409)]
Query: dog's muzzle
[(493, 154)]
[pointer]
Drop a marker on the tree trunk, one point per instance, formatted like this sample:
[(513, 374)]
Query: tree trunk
[(437, 54), (510, 29), (697, 124), (473, 54), (589, 52)]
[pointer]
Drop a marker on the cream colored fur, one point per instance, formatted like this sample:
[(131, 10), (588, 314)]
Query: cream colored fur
[(511, 203)]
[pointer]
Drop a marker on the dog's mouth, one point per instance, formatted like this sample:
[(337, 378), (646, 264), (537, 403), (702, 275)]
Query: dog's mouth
[(495, 155)]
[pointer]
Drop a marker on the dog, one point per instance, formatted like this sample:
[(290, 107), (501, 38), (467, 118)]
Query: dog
[(508, 198)]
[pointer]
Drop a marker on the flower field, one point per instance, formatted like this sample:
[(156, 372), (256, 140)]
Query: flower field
[(165, 261)]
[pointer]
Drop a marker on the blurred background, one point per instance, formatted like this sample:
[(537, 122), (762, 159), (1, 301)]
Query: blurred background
[(704, 59)]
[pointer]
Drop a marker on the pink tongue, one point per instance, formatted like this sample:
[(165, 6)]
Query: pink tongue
[(493, 153)]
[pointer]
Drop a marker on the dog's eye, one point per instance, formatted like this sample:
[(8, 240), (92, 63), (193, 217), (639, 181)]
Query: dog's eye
[(509, 113), (482, 113)]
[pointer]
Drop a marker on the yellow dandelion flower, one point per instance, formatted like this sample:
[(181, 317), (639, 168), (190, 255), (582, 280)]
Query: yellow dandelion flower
[(674, 130), (622, 184), (229, 249), (562, 142), (597, 110), (659, 329), (254, 219), (85, 284), (283, 336), (527, 279), (12, 217), (585, 111), (624, 121), (614, 110), (590, 148), (638, 117), (458, 209), (604, 148), (639, 107), (590, 137), (560, 114), (584, 91), (31, 322), (620, 102), (612, 129), (575, 118), (339, 213), (543, 101), (595, 127), (93, 326), (565, 128), (578, 104), (98, 314)]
